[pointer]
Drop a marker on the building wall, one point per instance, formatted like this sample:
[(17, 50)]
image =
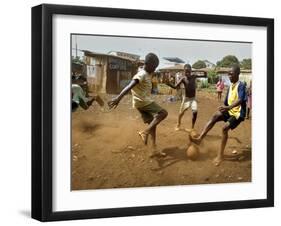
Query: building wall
[(106, 74), (245, 77), (119, 74), (96, 73)]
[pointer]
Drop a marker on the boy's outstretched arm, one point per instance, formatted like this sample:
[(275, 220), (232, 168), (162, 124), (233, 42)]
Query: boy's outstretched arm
[(115, 101), (175, 86)]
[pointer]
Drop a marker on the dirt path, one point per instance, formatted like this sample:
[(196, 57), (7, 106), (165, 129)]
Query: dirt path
[(107, 152)]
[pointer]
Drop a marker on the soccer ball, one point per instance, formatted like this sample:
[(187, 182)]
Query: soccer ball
[(192, 152)]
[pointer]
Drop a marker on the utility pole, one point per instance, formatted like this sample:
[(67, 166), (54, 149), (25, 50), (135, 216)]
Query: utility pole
[(76, 45)]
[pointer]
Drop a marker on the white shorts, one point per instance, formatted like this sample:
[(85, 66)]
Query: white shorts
[(187, 102)]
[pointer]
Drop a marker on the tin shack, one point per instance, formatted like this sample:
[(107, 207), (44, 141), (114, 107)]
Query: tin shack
[(110, 73)]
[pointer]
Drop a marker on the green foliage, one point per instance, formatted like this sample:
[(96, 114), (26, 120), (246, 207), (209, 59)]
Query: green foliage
[(246, 63), (228, 61), (199, 64), (212, 76), (204, 84), (77, 60)]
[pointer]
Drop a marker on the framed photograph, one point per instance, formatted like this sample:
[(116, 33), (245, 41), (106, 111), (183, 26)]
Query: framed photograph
[(146, 112)]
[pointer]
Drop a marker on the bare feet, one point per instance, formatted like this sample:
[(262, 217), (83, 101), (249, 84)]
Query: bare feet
[(196, 140), (217, 161), (157, 154), (188, 130), (143, 136), (177, 128), (102, 109)]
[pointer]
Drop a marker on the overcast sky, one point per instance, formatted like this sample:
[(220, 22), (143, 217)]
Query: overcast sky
[(188, 50)]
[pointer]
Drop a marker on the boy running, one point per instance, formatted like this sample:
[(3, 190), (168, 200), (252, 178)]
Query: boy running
[(141, 86), (232, 113), (189, 82)]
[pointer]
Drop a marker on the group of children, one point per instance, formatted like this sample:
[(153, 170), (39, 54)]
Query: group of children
[(232, 112)]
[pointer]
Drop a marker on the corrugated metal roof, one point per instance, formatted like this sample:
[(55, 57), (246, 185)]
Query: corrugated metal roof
[(174, 67), (174, 59), (89, 53)]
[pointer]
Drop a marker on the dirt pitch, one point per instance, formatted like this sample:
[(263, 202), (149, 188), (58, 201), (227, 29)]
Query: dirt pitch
[(107, 152)]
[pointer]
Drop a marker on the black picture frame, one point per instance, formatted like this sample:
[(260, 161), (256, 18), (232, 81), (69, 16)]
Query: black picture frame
[(42, 107)]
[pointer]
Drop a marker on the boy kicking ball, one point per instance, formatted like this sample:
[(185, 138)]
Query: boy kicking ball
[(151, 112), (232, 113)]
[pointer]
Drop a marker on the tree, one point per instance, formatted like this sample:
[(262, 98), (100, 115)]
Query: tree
[(246, 63), (228, 61), (212, 75), (77, 60), (199, 64)]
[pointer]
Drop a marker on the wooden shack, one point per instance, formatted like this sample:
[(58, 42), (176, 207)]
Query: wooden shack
[(108, 73)]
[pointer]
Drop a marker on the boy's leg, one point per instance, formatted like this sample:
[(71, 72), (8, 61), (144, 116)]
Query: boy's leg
[(194, 117), (152, 114), (219, 157), (181, 114), (96, 98), (84, 105), (248, 112), (218, 116), (194, 112), (143, 134), (184, 106), (155, 152), (90, 101), (151, 129), (160, 116), (153, 137), (99, 100)]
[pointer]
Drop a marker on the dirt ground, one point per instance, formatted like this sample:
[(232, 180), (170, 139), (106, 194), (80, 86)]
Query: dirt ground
[(108, 153)]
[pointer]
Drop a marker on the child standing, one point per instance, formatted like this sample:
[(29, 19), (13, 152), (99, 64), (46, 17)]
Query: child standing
[(220, 87)]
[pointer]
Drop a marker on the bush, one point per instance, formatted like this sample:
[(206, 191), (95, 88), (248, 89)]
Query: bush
[(204, 84), (212, 76)]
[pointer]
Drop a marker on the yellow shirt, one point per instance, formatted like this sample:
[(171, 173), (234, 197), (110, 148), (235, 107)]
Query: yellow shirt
[(142, 91), (233, 97)]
